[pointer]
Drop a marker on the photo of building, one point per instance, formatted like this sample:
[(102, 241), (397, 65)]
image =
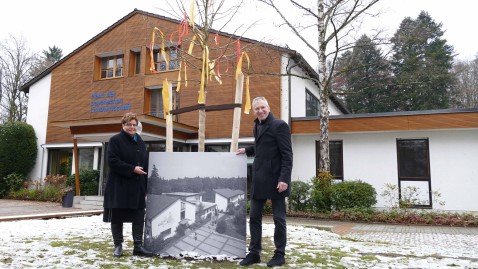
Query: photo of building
[(186, 206), (75, 106)]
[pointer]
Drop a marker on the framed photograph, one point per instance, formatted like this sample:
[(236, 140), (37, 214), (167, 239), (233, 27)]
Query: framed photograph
[(196, 204)]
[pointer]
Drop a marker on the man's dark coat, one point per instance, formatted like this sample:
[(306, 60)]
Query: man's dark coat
[(125, 189), (273, 158)]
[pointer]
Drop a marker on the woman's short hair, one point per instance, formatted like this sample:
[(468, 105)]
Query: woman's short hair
[(128, 117)]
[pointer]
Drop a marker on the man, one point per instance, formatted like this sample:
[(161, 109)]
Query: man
[(270, 180)]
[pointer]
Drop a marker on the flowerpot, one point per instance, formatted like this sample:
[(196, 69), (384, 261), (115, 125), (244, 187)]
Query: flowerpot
[(67, 199)]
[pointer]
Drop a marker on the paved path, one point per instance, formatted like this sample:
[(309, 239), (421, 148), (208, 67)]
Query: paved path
[(17, 210)]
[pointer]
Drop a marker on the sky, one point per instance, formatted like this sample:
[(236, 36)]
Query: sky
[(173, 165), (53, 22)]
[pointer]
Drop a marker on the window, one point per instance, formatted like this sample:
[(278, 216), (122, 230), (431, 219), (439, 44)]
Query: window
[(157, 103), (413, 158), (183, 210), (59, 161), (134, 67), (311, 104), (86, 157), (217, 148), (112, 66), (336, 157), (173, 55)]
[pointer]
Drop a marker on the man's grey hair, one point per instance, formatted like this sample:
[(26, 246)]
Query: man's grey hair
[(259, 99)]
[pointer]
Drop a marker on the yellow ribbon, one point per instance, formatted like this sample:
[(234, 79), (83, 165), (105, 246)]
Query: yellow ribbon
[(247, 106), (166, 97), (203, 74), (179, 76), (163, 53)]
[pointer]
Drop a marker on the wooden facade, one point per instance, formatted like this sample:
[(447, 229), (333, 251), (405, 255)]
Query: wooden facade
[(406, 121), (76, 81)]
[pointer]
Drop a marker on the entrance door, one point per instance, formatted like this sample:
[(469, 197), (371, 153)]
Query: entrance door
[(414, 179)]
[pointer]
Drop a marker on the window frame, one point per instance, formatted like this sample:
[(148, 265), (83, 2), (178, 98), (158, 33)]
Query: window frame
[(173, 59), (113, 69), (157, 100), (402, 177), (340, 162), (311, 104)]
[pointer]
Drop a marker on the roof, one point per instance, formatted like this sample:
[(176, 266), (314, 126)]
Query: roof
[(160, 202), (228, 193), (440, 119), (181, 194), (293, 54)]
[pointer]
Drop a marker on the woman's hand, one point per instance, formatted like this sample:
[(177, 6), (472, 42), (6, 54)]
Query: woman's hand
[(139, 170)]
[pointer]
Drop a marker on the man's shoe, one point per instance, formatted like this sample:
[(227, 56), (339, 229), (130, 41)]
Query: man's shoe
[(250, 259), (139, 250), (118, 252), (277, 260)]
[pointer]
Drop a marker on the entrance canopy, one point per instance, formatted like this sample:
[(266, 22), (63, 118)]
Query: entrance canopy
[(101, 129)]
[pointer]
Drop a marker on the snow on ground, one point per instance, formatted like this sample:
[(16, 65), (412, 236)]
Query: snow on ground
[(85, 242)]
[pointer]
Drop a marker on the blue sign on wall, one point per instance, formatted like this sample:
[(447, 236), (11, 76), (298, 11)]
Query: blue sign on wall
[(105, 102)]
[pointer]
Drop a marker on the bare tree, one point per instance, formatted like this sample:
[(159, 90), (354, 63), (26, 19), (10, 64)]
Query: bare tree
[(16, 62), (200, 17), (466, 88), (334, 21)]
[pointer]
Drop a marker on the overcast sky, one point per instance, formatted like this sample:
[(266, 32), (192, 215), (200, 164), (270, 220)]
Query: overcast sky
[(69, 24), (173, 165)]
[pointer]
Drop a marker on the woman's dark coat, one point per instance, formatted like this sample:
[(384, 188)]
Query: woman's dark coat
[(125, 189), (273, 158)]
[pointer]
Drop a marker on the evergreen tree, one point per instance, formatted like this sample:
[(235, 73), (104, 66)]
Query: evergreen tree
[(49, 58), (421, 65), (364, 77)]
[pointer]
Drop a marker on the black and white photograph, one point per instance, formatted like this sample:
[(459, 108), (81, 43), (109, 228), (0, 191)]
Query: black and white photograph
[(196, 204)]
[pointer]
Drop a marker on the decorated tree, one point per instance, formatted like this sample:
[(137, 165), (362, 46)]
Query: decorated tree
[(198, 20)]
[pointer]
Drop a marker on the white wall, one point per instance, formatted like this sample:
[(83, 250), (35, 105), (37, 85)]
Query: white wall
[(297, 92), (372, 157), (168, 219), (37, 116)]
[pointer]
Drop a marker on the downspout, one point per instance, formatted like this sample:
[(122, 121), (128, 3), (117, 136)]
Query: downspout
[(288, 71)]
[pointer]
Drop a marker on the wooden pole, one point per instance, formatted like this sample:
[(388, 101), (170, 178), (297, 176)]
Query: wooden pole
[(236, 125), (77, 172), (169, 123)]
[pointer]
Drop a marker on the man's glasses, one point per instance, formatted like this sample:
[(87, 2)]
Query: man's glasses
[(131, 124)]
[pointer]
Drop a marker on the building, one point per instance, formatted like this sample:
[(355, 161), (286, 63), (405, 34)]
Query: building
[(224, 197), (78, 103)]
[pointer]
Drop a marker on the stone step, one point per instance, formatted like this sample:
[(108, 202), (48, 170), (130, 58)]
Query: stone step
[(88, 202)]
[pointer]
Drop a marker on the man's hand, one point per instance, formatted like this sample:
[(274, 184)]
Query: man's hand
[(240, 151), (282, 186)]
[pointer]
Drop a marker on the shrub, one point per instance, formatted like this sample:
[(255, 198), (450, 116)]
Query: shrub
[(47, 193), (321, 191), (13, 182), (89, 182), (353, 194), (221, 226), (18, 151), (299, 198)]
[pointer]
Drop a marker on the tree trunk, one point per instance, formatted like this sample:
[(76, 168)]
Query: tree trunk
[(202, 130), (324, 161)]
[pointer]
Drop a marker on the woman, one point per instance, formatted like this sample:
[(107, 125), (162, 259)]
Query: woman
[(125, 190)]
